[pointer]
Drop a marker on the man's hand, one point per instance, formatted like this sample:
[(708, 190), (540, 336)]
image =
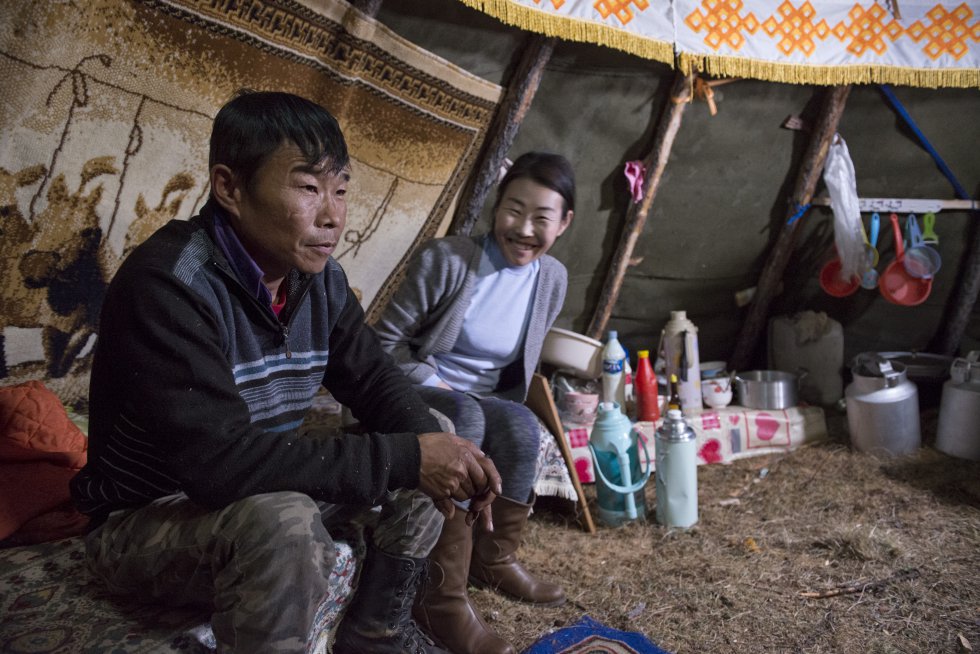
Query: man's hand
[(455, 469)]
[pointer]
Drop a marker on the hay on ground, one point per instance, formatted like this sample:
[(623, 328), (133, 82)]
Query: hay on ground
[(818, 550)]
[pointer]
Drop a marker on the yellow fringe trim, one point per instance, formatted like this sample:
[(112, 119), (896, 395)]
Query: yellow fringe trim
[(573, 29), (721, 66)]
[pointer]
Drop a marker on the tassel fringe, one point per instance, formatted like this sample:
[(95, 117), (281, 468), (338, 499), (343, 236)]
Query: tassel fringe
[(573, 29), (719, 66)]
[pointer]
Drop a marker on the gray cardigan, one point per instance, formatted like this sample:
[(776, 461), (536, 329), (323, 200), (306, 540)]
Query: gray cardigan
[(425, 314)]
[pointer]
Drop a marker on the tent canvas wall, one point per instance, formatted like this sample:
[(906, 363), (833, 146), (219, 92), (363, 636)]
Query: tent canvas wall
[(722, 199), (724, 193)]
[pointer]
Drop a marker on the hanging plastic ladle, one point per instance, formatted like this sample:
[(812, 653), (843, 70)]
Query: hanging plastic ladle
[(921, 260), (869, 279), (929, 235)]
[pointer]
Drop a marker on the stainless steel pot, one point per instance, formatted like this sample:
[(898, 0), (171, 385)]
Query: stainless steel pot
[(768, 389)]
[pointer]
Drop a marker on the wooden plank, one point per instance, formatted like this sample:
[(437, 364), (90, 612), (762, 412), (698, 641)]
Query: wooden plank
[(542, 403), (636, 216), (905, 205), (514, 107), (806, 182)]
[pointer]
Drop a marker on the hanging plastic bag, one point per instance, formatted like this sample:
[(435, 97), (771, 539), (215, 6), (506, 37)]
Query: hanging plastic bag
[(838, 175)]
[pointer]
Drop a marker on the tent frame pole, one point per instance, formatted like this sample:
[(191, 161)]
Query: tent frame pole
[(510, 114), (957, 315), (655, 162), (810, 173)]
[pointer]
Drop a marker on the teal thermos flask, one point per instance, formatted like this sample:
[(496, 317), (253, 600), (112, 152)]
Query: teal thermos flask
[(620, 478)]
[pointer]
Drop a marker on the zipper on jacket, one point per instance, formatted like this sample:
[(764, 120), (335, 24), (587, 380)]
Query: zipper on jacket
[(285, 339), (283, 327)]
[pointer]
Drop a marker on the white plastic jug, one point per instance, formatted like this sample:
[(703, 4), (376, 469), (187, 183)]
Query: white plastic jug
[(814, 342)]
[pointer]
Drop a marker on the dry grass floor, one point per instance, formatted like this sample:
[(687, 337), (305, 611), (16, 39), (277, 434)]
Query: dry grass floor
[(818, 550)]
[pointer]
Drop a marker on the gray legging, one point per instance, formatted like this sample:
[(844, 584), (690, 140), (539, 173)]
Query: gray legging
[(506, 431)]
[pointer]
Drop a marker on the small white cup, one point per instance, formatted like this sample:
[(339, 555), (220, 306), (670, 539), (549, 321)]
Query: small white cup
[(717, 393)]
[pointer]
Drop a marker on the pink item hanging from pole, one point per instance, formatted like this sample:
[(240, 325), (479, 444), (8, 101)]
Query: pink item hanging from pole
[(635, 172)]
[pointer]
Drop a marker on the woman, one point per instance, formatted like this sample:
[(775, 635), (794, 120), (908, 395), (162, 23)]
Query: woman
[(466, 325)]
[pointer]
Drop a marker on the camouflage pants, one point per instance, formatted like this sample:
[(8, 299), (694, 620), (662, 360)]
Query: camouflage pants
[(260, 564)]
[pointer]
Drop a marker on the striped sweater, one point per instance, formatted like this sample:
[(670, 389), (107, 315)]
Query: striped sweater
[(198, 387)]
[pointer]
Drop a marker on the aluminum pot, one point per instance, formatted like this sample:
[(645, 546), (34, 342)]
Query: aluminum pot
[(768, 389)]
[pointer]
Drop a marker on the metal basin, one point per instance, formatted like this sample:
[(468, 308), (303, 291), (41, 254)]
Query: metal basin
[(768, 389)]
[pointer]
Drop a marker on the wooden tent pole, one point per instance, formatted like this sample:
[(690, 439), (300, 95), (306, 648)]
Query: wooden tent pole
[(636, 216), (510, 115), (806, 182), (957, 315)]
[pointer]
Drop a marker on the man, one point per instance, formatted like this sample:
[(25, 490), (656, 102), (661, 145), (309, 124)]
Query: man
[(214, 337)]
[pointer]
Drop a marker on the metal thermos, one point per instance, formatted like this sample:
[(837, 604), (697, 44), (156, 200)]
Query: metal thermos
[(680, 350), (677, 472), (882, 407), (958, 433)]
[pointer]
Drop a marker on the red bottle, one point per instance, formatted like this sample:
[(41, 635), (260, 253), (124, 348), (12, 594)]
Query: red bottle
[(645, 386)]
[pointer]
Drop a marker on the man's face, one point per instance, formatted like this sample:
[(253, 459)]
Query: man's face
[(528, 220), (292, 214)]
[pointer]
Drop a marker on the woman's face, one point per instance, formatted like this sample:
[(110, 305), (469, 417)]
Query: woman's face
[(528, 220)]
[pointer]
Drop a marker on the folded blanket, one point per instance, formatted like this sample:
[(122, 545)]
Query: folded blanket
[(553, 476)]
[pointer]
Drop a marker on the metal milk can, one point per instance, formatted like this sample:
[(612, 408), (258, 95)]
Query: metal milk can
[(619, 476), (677, 472), (958, 433), (882, 407)]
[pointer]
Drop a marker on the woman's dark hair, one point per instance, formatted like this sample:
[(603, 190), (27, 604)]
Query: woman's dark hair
[(550, 170), (254, 124)]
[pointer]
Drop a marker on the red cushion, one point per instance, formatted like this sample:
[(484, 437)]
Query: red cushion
[(40, 450)]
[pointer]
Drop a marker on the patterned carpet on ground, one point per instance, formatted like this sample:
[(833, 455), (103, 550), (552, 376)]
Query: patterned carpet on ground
[(51, 604)]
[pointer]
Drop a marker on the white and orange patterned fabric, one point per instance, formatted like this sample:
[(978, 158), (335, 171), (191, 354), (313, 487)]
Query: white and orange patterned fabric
[(906, 42)]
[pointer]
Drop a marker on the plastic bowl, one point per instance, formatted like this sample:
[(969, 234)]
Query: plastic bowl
[(832, 283), (579, 408), (711, 369), (574, 352)]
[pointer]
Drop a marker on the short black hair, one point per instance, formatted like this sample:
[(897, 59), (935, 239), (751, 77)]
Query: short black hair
[(548, 169), (254, 124)]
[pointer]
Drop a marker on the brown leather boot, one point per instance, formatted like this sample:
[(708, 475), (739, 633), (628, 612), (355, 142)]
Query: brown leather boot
[(443, 608), (495, 563)]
